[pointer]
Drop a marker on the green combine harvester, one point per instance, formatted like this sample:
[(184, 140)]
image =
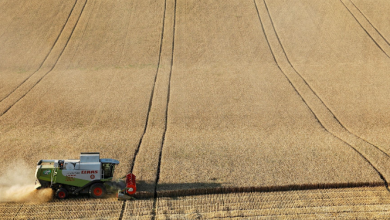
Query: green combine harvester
[(90, 175)]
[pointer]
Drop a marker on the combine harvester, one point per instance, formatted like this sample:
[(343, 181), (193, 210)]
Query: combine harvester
[(90, 175)]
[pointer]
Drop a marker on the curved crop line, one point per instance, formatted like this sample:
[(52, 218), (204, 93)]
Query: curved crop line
[(370, 22), (47, 55), (365, 29), (152, 92), (311, 89), (122, 210), (288, 60), (258, 13), (273, 55), (70, 36), (224, 190)]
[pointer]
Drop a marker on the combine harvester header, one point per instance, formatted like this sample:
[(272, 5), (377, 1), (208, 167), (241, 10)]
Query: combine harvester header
[(90, 175)]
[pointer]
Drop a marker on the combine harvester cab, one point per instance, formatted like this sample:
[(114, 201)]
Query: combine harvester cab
[(87, 175)]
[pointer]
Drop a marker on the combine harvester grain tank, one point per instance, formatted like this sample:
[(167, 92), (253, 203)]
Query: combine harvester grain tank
[(88, 175)]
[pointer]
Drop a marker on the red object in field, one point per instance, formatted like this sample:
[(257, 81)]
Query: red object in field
[(130, 184)]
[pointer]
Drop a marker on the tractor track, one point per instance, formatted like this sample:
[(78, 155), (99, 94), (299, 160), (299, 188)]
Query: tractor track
[(17, 213), (52, 67), (47, 55), (224, 190), (152, 92), (311, 89), (150, 102), (166, 113), (147, 156), (173, 193), (374, 34), (320, 110), (370, 22)]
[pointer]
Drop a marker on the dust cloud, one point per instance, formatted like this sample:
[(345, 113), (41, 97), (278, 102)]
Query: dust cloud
[(17, 184)]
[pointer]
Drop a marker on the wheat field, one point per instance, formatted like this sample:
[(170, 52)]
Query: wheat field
[(342, 52), (96, 97), (222, 109), (28, 30)]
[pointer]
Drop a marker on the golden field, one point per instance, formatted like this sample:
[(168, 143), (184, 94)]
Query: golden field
[(222, 109)]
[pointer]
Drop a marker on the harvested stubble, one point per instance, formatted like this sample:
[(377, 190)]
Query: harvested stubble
[(340, 61), (97, 96), (67, 209), (234, 120), (370, 202), (350, 203), (28, 30), (138, 209), (9, 210)]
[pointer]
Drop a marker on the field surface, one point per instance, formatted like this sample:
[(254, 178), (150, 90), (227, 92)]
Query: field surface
[(355, 203), (222, 109)]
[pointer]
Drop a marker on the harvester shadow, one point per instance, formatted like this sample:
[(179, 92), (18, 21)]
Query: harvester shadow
[(146, 189)]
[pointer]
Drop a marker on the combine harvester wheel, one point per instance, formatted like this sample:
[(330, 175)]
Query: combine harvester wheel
[(61, 193), (97, 190)]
